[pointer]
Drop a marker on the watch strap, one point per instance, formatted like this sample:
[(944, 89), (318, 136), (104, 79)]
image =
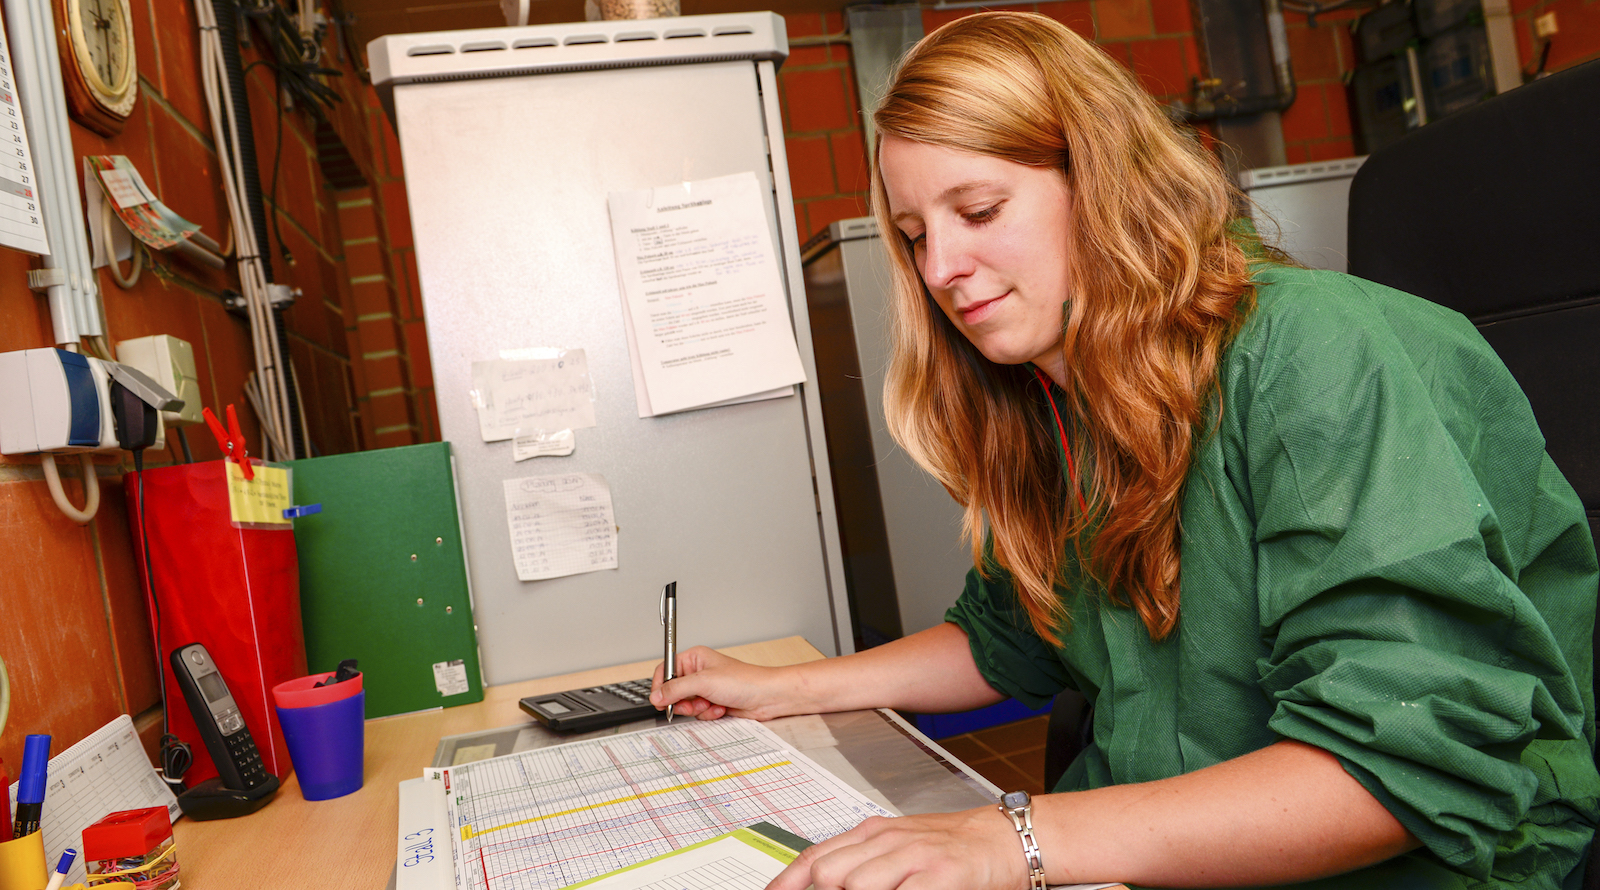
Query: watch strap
[(1018, 807)]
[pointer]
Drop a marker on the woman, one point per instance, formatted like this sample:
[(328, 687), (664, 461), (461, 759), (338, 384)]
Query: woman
[(1293, 533)]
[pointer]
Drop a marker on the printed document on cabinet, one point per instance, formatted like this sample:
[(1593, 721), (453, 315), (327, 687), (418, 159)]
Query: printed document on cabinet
[(703, 293)]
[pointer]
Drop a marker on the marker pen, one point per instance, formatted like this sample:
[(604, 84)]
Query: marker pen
[(30, 786)]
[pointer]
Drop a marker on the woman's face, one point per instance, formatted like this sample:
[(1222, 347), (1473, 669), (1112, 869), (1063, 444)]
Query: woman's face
[(990, 241)]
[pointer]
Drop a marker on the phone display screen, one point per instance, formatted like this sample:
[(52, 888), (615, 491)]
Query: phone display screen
[(212, 686)]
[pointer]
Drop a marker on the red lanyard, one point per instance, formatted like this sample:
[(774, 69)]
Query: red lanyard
[(1072, 472)]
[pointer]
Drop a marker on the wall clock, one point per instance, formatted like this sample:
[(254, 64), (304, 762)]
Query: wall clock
[(96, 46)]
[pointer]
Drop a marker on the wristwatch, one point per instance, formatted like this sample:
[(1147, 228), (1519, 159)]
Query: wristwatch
[(1018, 807)]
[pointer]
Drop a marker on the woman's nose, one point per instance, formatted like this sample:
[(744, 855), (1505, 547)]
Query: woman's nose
[(945, 259)]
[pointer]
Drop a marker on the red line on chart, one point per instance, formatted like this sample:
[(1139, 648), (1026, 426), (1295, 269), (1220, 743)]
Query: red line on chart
[(694, 734)]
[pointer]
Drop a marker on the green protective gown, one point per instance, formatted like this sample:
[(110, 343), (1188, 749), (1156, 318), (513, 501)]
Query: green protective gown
[(1378, 559)]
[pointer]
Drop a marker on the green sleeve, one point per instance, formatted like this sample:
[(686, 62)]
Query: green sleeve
[(1412, 539), (1009, 654)]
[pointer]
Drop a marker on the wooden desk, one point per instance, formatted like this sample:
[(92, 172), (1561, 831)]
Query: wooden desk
[(349, 842)]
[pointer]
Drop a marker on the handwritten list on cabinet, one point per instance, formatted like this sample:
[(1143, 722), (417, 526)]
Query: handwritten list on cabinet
[(561, 525)]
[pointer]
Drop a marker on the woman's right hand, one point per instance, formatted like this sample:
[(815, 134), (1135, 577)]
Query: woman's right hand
[(710, 684)]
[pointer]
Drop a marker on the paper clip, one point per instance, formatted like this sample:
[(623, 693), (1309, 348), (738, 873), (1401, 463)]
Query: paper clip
[(231, 441)]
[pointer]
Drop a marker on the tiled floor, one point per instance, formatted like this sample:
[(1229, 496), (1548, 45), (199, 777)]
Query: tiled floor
[(1011, 755)]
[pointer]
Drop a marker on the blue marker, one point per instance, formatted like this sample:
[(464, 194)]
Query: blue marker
[(62, 867), (30, 786)]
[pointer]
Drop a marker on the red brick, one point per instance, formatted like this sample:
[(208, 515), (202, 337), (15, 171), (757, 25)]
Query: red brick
[(1159, 65), (407, 261), (177, 36), (385, 373), (804, 24), (146, 56), (396, 215), (365, 259), (1193, 65), (933, 19), (1339, 122), (1579, 38), (800, 56), (397, 438), (1075, 14), (60, 657), (1297, 153), (810, 167), (186, 173), (1312, 53), (366, 436), (391, 410), (371, 298), (1122, 18), (1331, 149), (416, 340), (816, 99), (850, 161), (394, 167), (130, 618), (820, 213), (833, 22), (427, 416), (379, 334), (1118, 50), (1171, 16), (1307, 118), (358, 222)]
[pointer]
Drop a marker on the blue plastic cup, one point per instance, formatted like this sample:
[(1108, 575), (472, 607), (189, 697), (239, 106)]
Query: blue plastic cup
[(326, 745)]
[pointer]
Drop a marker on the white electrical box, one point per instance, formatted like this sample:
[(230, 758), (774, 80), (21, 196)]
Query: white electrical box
[(54, 400), (170, 362)]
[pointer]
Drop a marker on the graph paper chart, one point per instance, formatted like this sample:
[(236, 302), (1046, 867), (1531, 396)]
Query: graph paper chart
[(724, 874), (556, 816)]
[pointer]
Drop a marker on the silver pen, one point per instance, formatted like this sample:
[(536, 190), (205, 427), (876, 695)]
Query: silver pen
[(669, 624)]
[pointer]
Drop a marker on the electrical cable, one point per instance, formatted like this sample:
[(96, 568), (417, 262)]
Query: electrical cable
[(5, 694), (183, 442), (176, 758), (91, 487), (111, 254), (272, 412)]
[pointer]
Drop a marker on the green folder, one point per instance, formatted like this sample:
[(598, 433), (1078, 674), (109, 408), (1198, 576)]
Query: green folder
[(383, 576)]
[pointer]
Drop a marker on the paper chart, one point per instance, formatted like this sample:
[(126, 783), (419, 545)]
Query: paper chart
[(552, 817)]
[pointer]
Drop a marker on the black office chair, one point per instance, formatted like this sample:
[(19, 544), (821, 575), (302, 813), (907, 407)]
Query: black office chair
[(1495, 212)]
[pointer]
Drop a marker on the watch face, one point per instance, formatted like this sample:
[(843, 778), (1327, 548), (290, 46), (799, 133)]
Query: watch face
[(1015, 800)]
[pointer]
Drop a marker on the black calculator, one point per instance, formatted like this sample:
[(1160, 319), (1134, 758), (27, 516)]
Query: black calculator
[(594, 708)]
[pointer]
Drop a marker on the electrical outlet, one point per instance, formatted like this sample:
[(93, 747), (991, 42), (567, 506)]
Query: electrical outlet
[(54, 400), (1545, 25), (170, 362)]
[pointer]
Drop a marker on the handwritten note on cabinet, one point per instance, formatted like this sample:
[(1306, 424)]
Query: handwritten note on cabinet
[(561, 525)]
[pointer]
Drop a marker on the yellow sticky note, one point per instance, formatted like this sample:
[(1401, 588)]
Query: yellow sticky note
[(258, 501)]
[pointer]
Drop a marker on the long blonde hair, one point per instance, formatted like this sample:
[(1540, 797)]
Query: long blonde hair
[(1158, 289)]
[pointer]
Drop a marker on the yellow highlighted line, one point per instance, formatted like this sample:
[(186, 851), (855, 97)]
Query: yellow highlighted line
[(467, 832)]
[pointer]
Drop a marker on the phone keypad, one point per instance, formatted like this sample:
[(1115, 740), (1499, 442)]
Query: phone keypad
[(242, 751)]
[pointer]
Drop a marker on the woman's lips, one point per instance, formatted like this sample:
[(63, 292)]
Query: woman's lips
[(976, 314)]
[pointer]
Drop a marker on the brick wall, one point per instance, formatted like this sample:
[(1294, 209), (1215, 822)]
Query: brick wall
[(77, 641)]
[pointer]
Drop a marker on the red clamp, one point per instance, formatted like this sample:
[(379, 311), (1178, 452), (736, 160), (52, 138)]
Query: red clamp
[(230, 440)]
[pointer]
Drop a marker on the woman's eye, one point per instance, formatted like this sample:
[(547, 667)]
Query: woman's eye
[(986, 215)]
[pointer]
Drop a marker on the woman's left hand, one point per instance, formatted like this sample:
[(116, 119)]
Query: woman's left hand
[(961, 851)]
